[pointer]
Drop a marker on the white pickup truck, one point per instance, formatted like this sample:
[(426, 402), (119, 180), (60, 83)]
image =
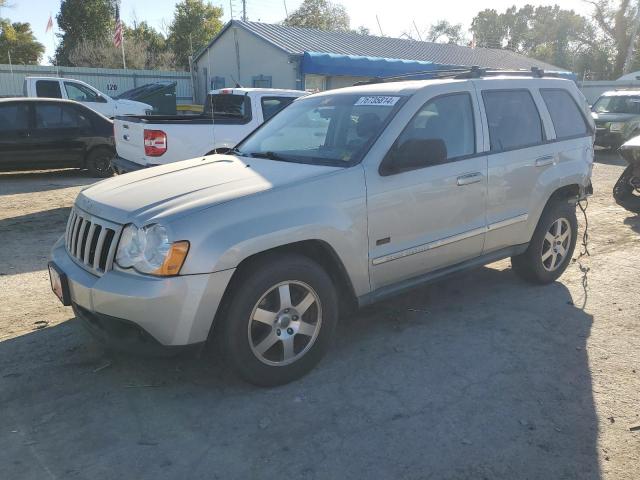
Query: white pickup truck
[(70, 89), (229, 115)]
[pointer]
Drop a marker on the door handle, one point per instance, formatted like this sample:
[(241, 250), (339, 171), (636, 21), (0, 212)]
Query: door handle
[(469, 178), (546, 160)]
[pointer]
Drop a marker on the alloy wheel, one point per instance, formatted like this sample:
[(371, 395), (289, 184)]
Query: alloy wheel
[(285, 323), (556, 244)]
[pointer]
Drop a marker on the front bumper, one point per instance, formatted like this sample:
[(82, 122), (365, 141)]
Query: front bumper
[(122, 165), (605, 138), (173, 311)]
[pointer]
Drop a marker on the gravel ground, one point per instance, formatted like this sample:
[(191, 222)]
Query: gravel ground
[(479, 376)]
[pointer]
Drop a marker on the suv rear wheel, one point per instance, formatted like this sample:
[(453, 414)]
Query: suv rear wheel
[(280, 320), (551, 246)]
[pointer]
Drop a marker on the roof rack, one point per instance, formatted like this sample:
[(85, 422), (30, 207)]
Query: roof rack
[(462, 73)]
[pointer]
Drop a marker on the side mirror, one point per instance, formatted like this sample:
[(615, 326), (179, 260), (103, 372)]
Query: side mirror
[(414, 154)]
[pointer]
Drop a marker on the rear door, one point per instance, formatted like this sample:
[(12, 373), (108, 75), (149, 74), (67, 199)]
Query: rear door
[(519, 154), (59, 134), (48, 89), (15, 139)]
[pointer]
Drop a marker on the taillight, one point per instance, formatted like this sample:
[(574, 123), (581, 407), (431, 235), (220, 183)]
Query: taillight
[(155, 143)]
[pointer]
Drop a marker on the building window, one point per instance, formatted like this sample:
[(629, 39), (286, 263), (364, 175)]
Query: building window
[(315, 83), (262, 81), (217, 83)]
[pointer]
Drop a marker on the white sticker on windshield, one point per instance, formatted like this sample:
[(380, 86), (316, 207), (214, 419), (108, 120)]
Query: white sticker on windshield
[(380, 100)]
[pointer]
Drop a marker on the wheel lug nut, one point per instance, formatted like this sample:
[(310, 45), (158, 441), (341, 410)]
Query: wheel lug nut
[(278, 332), (286, 310), (290, 331), (294, 318)]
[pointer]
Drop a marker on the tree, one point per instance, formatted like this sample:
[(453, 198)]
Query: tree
[(549, 33), (194, 24), (452, 33), (82, 20), (138, 53), (321, 15), (158, 54), (18, 39), (488, 29), (616, 24)]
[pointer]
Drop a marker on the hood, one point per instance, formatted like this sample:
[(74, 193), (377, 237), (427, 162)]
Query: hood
[(125, 105), (613, 117), (184, 187)]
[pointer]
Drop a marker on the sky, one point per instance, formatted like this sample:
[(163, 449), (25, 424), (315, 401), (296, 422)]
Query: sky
[(396, 17)]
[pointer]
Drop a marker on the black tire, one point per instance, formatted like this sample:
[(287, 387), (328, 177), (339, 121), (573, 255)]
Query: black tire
[(624, 194), (98, 162), (530, 264), (251, 288)]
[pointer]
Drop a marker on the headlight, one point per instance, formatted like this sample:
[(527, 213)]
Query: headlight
[(148, 250), (616, 126)]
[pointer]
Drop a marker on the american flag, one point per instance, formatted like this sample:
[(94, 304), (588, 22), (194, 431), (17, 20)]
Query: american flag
[(117, 35)]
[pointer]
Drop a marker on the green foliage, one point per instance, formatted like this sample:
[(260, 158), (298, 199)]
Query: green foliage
[(548, 33), (321, 15), (615, 21), (442, 29), (18, 39), (82, 20), (194, 24)]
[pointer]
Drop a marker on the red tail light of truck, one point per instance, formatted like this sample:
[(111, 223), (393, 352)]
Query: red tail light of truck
[(155, 143)]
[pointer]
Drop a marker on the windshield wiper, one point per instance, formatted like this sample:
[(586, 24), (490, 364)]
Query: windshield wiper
[(269, 155)]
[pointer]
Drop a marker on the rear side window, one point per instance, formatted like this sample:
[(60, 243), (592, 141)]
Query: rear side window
[(566, 117), (224, 105), (272, 105), (14, 117), (48, 89), (59, 116), (514, 121)]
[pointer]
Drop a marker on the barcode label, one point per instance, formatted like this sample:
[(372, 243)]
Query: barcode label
[(377, 100)]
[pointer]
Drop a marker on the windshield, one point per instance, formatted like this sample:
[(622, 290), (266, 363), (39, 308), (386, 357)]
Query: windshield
[(619, 104), (227, 105), (327, 130)]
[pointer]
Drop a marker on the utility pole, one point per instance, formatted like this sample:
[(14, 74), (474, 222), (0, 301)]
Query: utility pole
[(632, 41), (244, 10)]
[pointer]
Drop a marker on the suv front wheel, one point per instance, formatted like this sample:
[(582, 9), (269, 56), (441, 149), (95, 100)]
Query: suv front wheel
[(280, 319), (551, 246)]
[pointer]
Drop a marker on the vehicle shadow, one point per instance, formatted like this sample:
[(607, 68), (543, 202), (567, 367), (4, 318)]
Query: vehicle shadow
[(27, 239), (609, 157), (479, 376), (633, 223), (16, 182)]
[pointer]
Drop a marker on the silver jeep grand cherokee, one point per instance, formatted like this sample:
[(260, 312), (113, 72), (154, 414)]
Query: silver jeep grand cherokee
[(342, 199)]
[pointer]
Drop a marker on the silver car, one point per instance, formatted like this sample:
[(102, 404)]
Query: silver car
[(342, 199)]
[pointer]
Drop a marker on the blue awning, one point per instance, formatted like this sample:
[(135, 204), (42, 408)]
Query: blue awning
[(357, 66)]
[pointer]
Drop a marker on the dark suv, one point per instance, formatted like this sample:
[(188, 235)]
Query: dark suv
[(617, 117), (49, 133)]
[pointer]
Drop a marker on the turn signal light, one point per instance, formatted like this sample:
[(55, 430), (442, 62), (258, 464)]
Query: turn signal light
[(174, 259), (155, 143)]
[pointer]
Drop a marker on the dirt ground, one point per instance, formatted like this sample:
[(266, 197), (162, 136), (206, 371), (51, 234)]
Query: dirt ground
[(479, 376)]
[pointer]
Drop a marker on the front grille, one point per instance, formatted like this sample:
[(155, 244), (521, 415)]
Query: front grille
[(91, 241)]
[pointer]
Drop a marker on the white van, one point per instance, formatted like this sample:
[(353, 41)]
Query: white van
[(52, 87)]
